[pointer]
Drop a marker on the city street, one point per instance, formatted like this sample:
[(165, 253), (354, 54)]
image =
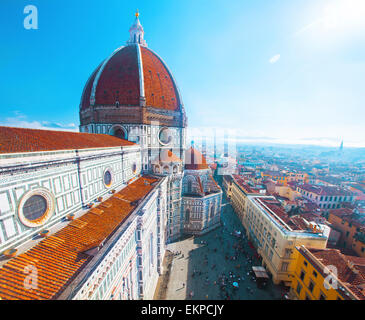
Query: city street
[(206, 267)]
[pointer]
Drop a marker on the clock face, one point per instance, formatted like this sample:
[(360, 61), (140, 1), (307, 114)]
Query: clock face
[(165, 136)]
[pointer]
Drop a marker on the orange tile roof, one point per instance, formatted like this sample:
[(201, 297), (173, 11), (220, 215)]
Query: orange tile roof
[(350, 270), (13, 140), (194, 160), (60, 257), (167, 156)]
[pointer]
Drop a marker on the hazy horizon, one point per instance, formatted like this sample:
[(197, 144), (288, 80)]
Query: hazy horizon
[(286, 72)]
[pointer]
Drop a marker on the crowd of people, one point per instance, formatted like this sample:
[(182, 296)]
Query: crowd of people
[(238, 254)]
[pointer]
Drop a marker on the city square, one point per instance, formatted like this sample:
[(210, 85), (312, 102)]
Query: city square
[(200, 263)]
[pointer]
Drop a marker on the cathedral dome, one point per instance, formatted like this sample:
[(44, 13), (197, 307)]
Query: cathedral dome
[(194, 160), (131, 73), (132, 76)]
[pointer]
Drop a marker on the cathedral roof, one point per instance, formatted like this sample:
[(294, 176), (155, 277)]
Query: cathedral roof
[(61, 256), (131, 74), (194, 160), (18, 140), (166, 156)]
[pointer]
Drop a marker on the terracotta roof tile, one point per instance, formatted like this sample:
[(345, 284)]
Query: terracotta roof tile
[(14, 140), (194, 160), (60, 257), (160, 91), (350, 270)]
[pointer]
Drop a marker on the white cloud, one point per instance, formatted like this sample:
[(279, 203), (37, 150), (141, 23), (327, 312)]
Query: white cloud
[(275, 58), (21, 121)]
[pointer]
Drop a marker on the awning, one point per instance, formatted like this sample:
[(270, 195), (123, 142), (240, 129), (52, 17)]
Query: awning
[(260, 272)]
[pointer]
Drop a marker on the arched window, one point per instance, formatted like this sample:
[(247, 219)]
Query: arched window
[(190, 186), (175, 169), (166, 169), (119, 133), (212, 211), (187, 215)]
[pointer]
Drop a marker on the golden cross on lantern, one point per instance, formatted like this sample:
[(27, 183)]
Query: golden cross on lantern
[(137, 14)]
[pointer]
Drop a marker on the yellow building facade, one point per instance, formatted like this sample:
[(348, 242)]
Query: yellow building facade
[(269, 233), (313, 280), (352, 232)]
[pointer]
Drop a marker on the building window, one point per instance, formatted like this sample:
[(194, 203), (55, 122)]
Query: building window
[(284, 266), (305, 263), (187, 215), (314, 273), (107, 178), (322, 296), (287, 253), (299, 288), (311, 286), (190, 186), (212, 211), (165, 136), (36, 207), (302, 275)]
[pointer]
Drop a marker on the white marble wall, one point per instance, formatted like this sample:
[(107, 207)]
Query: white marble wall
[(72, 178), (147, 136)]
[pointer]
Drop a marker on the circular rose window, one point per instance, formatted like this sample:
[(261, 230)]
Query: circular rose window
[(108, 178), (165, 136), (36, 207)]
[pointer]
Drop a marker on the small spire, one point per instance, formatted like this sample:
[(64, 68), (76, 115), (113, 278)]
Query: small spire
[(136, 32)]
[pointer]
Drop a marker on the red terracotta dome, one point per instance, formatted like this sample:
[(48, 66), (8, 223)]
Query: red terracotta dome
[(132, 73), (194, 160), (133, 85)]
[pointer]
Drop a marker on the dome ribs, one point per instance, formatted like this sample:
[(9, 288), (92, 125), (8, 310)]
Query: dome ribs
[(119, 81), (132, 78), (85, 99), (158, 85)]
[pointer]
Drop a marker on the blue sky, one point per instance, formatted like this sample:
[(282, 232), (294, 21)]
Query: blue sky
[(290, 71)]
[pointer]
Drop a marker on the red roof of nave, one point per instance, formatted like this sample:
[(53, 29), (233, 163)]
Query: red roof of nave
[(61, 256), (17, 140)]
